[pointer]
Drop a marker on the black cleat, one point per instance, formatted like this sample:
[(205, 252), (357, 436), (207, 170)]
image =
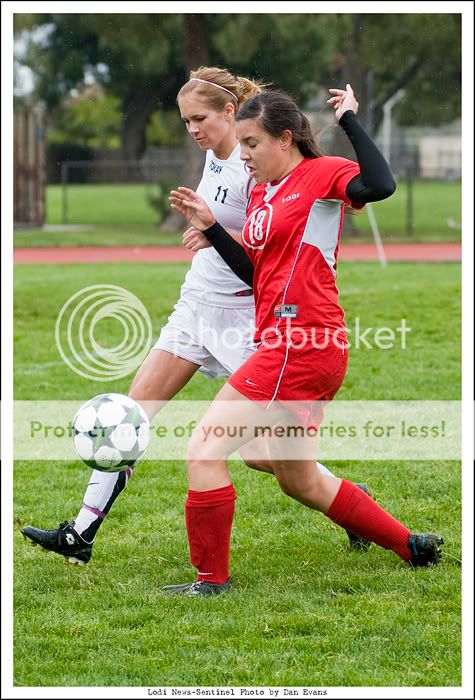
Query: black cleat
[(197, 588), (426, 549), (357, 542), (65, 540)]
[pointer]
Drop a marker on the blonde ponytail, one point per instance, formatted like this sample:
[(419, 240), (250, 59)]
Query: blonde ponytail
[(247, 89), (218, 87)]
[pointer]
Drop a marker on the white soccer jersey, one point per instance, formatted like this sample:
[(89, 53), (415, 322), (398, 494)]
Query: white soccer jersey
[(225, 187)]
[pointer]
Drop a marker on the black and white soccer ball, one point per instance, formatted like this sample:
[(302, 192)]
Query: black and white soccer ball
[(111, 432)]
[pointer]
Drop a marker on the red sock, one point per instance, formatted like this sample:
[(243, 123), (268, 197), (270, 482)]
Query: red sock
[(357, 512), (209, 517)]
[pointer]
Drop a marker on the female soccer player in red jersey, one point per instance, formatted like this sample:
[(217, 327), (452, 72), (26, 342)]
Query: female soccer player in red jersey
[(213, 300), (290, 247)]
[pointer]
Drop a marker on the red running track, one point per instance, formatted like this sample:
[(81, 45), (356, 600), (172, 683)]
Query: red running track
[(410, 252)]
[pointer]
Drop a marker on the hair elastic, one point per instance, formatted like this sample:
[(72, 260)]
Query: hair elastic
[(200, 80)]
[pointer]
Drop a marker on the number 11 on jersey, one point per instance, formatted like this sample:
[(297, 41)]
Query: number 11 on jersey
[(225, 192)]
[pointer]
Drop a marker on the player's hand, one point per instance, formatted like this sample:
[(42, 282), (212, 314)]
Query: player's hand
[(195, 240), (342, 101), (191, 206)]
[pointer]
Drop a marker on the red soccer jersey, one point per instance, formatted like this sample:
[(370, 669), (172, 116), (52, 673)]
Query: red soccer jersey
[(292, 234)]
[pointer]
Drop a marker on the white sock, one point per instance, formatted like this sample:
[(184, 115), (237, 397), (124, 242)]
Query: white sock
[(324, 470), (101, 492), (84, 519)]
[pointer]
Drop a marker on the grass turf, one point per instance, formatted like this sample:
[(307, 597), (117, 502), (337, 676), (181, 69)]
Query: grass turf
[(305, 610)]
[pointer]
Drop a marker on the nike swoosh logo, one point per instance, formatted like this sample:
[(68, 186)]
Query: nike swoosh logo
[(248, 381)]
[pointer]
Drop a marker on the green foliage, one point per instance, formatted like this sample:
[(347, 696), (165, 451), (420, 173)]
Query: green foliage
[(139, 58), (157, 198), (137, 47), (434, 95), (305, 610), (297, 52), (24, 21), (283, 49), (165, 128), (111, 48), (89, 121), (59, 54)]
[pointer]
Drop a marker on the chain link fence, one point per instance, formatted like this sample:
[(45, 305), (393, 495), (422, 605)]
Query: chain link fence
[(426, 205)]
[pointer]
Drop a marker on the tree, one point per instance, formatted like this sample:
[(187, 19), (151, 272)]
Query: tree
[(196, 53), (140, 58), (419, 52), (90, 119), (111, 49), (143, 59), (380, 54)]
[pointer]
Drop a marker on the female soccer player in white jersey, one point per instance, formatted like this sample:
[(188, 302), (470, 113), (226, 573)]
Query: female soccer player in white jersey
[(213, 300), (289, 254)]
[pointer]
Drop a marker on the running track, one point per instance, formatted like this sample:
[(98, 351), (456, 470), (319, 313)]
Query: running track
[(413, 252)]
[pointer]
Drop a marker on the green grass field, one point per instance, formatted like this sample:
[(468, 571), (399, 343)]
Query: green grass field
[(121, 215), (98, 235), (305, 611)]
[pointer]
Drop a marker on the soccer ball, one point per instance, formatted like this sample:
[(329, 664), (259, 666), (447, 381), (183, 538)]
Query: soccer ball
[(111, 432)]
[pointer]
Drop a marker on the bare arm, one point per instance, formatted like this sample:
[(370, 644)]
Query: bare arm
[(195, 240), (196, 211)]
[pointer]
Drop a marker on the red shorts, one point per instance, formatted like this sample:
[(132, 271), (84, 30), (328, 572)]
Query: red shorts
[(302, 378)]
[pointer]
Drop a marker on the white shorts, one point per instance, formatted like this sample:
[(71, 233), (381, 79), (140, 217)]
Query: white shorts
[(214, 331)]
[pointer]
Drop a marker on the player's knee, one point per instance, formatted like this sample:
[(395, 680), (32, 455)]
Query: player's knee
[(195, 447), (144, 398), (202, 447)]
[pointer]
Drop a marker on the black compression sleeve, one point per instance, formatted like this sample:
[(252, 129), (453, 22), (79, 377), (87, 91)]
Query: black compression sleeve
[(232, 253), (375, 181)]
